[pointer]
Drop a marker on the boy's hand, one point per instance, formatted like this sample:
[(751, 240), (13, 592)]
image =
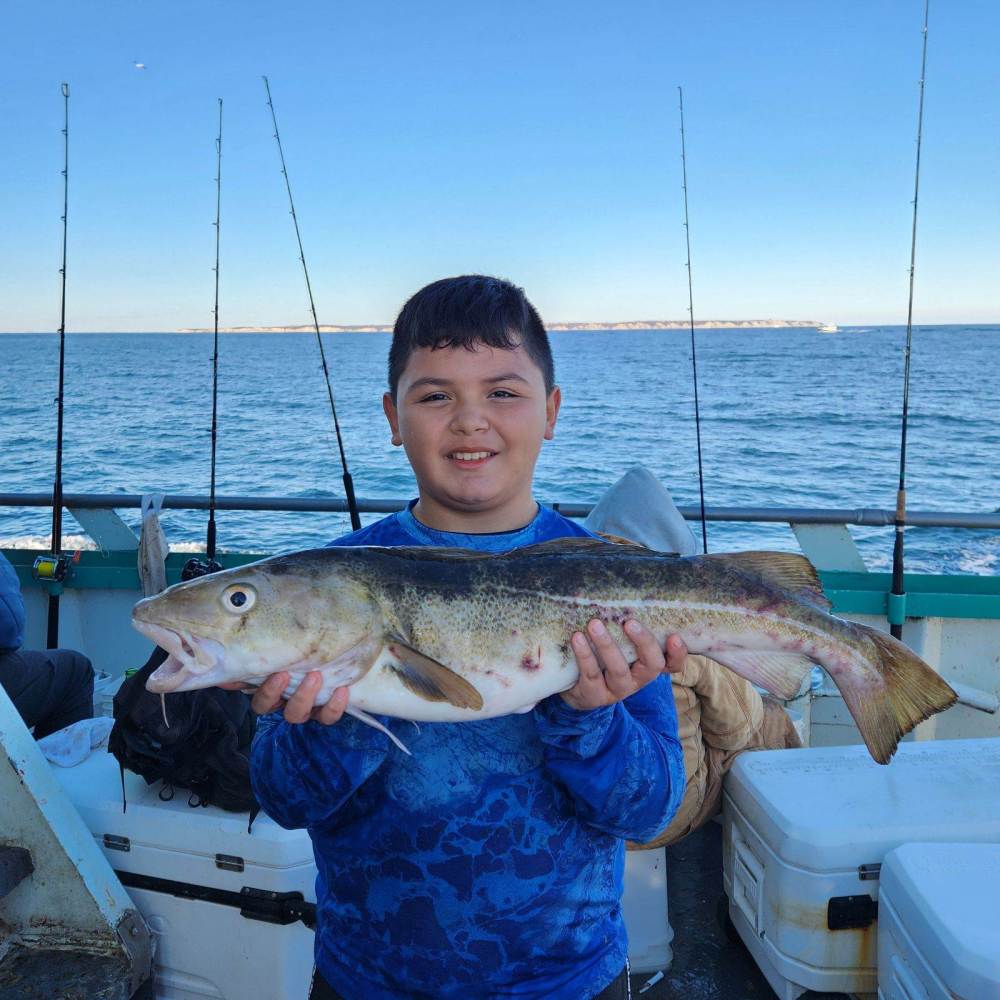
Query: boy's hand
[(605, 674), (300, 706)]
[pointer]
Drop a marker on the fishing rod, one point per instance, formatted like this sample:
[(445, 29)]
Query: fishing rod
[(694, 359), (352, 503), (210, 542), (897, 599), (196, 567), (54, 567)]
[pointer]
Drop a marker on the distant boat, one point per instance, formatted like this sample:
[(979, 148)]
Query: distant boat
[(828, 328)]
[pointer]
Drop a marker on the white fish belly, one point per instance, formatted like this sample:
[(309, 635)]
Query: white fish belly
[(506, 688)]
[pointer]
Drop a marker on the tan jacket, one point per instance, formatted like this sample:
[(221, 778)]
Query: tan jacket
[(719, 715)]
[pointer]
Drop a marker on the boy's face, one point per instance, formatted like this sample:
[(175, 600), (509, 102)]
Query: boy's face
[(472, 423)]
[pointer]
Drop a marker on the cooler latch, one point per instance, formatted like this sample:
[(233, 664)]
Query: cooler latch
[(276, 907), (869, 873), (851, 912)]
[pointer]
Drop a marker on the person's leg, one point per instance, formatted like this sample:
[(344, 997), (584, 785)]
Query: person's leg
[(51, 689)]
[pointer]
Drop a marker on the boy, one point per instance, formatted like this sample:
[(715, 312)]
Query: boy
[(490, 863)]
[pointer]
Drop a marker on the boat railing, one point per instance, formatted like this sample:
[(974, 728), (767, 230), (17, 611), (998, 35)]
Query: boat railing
[(865, 516), (822, 533)]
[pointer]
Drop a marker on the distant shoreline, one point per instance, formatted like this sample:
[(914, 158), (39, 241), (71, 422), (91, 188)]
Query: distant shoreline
[(639, 324)]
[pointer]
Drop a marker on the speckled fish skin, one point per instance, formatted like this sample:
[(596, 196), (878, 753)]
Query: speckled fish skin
[(368, 617)]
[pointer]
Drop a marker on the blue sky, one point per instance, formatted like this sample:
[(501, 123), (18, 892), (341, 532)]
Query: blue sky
[(536, 140)]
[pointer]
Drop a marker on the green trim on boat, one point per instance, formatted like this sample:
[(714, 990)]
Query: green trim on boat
[(112, 570), (927, 595)]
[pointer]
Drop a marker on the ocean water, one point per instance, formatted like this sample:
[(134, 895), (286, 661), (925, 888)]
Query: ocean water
[(789, 418)]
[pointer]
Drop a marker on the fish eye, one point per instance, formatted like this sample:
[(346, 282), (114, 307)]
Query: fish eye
[(239, 598)]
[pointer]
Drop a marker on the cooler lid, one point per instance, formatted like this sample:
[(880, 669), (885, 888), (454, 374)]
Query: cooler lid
[(946, 897), (833, 808), (95, 788)]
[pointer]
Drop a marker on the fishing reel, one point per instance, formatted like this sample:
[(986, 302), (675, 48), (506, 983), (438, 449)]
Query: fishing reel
[(54, 567), (195, 567)]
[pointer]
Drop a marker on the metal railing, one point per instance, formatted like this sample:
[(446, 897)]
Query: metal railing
[(866, 516)]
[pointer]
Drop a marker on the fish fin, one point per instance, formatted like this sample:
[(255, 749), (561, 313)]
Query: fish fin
[(911, 692), (622, 540), (787, 570), (555, 546), (370, 720), (429, 679), (423, 553), (780, 673)]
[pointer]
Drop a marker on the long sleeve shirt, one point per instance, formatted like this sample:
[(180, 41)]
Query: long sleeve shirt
[(490, 862)]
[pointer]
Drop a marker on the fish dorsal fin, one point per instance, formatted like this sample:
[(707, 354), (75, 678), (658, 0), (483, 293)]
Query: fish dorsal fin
[(573, 545), (787, 570), (554, 546), (445, 553), (622, 540), (431, 680)]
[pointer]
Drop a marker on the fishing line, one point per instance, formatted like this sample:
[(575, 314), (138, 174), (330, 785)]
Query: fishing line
[(897, 606), (56, 568), (694, 359), (352, 503)]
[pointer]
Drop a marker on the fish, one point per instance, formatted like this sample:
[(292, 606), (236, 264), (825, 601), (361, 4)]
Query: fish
[(448, 634)]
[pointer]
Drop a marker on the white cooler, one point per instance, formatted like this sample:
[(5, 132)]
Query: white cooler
[(187, 869), (223, 905), (805, 832), (939, 922)]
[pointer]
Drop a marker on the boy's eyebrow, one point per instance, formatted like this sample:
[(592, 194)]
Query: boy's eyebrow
[(433, 380)]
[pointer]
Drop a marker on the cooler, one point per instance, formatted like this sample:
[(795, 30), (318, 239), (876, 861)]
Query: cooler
[(224, 906), (939, 922), (805, 832)]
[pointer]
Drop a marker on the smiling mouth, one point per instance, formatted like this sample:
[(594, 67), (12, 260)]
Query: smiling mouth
[(471, 457)]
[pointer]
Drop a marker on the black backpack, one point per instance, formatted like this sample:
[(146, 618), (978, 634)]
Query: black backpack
[(203, 746)]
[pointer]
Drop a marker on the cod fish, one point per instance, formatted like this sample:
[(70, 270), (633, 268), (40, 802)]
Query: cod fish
[(444, 634)]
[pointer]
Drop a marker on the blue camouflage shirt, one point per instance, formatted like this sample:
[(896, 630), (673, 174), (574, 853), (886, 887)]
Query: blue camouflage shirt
[(490, 863)]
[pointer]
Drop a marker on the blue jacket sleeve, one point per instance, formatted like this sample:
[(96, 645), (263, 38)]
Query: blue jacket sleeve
[(302, 774), (622, 765), (11, 607)]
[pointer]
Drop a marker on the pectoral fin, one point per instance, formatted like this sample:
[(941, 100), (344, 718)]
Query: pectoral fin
[(431, 680)]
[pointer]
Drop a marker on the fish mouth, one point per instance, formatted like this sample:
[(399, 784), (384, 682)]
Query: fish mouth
[(190, 657)]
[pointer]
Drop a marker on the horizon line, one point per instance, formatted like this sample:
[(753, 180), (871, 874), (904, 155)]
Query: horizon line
[(559, 326)]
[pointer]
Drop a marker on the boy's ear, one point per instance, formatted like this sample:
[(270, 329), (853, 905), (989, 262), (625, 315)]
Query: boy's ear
[(392, 415), (552, 405)]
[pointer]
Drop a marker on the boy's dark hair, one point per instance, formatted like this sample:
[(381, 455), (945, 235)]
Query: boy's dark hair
[(467, 311)]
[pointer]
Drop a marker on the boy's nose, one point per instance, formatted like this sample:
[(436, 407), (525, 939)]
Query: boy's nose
[(469, 420)]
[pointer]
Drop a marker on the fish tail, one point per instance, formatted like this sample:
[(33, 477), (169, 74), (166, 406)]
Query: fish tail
[(911, 692)]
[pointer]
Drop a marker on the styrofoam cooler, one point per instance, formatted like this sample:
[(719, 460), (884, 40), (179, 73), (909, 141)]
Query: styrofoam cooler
[(805, 832), (939, 922), (222, 904)]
